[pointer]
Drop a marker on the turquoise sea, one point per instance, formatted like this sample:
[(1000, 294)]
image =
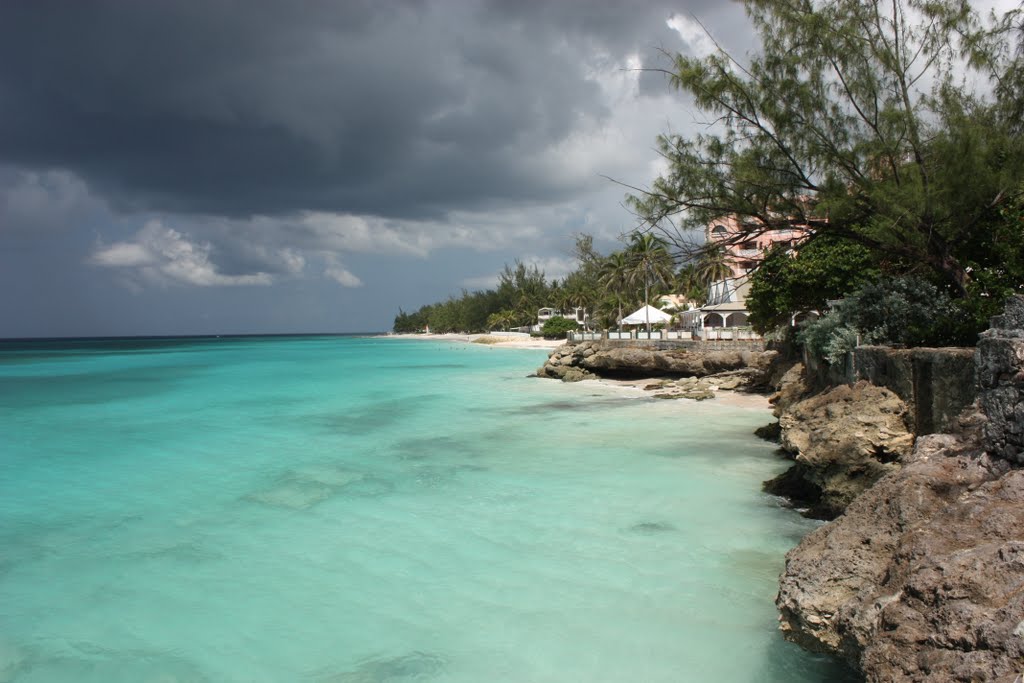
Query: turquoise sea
[(339, 509)]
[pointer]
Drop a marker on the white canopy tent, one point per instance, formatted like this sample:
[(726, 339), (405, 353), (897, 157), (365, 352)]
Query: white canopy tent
[(644, 315)]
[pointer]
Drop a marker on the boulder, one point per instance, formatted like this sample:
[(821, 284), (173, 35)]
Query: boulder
[(558, 363), (769, 432), (843, 441), (640, 361), (790, 388), (573, 374), (736, 368), (922, 579)]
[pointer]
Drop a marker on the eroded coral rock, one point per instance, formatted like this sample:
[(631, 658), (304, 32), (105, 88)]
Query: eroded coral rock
[(843, 441), (922, 579), (736, 368)]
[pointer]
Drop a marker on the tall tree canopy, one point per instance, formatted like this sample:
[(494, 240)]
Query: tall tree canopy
[(855, 117)]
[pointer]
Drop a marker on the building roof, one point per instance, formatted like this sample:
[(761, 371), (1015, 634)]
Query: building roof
[(727, 306)]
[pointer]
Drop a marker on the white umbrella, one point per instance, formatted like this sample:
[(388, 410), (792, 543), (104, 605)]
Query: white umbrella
[(646, 314)]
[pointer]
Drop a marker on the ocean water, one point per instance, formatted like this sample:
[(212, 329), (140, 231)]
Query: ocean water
[(332, 509)]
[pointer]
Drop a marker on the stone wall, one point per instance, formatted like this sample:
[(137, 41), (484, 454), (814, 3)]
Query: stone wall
[(1000, 360), (747, 344), (936, 384), (671, 344)]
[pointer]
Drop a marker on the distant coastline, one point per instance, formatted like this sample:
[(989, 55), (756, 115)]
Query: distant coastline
[(490, 340)]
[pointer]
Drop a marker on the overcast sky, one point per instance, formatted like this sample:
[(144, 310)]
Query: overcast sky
[(172, 167)]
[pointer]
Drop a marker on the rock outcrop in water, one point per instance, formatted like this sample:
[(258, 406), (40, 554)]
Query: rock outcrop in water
[(922, 577), (843, 441), (618, 360), (926, 388)]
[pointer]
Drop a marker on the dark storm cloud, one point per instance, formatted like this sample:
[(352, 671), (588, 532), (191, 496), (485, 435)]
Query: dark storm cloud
[(184, 166), (240, 108)]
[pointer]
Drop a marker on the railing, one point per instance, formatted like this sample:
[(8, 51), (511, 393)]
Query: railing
[(662, 334), (706, 334), (720, 333), (643, 335)]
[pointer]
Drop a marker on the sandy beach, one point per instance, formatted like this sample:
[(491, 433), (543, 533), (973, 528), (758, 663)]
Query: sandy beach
[(739, 399), (490, 340)]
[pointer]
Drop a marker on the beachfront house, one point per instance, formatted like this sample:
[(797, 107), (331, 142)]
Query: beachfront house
[(726, 306), (578, 314), (745, 244)]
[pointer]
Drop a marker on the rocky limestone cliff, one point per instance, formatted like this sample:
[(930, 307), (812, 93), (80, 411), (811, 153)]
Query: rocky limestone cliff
[(922, 577), (1000, 365), (843, 441), (926, 388), (936, 384)]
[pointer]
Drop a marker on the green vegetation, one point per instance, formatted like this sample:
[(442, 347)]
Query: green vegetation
[(785, 284), (608, 287), (901, 311), (855, 121), (857, 124), (911, 311), (648, 264), (521, 291), (556, 328)]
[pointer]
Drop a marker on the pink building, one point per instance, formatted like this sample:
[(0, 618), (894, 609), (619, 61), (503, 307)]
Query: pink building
[(746, 242)]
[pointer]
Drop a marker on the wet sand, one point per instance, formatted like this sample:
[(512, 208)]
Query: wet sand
[(740, 399)]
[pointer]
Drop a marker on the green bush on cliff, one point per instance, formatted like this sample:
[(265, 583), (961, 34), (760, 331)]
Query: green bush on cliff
[(785, 284), (898, 311), (558, 327)]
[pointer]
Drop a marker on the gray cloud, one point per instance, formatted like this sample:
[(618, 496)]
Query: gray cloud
[(161, 254), (243, 108), (44, 203), (262, 165)]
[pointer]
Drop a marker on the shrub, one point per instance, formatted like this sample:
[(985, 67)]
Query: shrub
[(823, 269), (558, 327), (901, 311)]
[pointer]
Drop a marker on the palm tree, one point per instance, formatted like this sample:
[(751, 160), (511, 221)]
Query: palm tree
[(714, 264), (614, 278), (503, 319), (688, 282), (649, 262), (573, 295)]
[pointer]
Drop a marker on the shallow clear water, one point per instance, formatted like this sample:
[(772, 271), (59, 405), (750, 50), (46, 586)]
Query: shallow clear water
[(365, 510)]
